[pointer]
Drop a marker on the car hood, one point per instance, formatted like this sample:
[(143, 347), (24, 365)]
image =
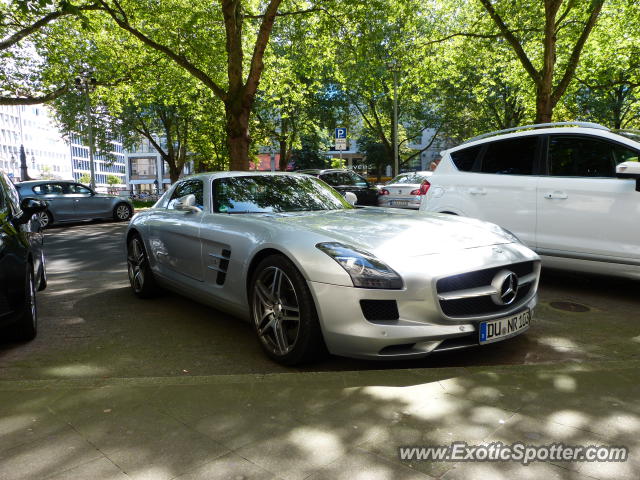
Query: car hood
[(390, 231)]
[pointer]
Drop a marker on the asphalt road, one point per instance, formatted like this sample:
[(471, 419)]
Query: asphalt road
[(91, 325)]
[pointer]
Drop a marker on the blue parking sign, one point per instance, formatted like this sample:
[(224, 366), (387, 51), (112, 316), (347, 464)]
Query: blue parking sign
[(341, 132)]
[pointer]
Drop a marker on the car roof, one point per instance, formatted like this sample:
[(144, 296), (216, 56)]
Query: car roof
[(322, 171), (595, 132), (237, 173), (27, 183)]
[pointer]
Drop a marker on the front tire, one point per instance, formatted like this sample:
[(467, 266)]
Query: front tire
[(122, 212), (26, 327), (283, 312), (45, 219), (141, 278)]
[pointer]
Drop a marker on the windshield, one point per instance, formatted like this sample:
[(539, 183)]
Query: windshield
[(275, 194), (408, 178)]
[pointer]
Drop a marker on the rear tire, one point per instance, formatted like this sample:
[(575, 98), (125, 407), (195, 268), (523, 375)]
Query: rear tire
[(283, 313), (26, 327), (122, 212), (141, 278)]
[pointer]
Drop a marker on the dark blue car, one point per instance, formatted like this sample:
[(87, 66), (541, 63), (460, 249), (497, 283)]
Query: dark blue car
[(22, 266)]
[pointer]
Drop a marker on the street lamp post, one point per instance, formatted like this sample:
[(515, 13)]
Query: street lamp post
[(393, 67), (87, 84)]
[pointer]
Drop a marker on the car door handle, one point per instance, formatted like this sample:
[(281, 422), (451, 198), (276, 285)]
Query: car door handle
[(478, 191), (556, 195)]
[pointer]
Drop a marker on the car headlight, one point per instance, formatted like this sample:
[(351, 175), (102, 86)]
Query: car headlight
[(365, 270)]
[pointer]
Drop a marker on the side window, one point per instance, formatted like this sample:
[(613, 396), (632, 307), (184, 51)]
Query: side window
[(3, 202), (574, 156), (331, 179), (9, 199), (188, 187), (48, 189), (355, 179), (510, 157), (465, 158), (76, 188)]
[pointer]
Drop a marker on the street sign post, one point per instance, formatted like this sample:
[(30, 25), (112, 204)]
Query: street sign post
[(341, 140), (341, 132)]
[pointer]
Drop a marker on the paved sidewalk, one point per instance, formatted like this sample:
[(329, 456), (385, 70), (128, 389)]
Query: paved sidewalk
[(328, 425)]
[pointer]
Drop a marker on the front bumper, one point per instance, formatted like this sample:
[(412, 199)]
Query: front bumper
[(421, 328)]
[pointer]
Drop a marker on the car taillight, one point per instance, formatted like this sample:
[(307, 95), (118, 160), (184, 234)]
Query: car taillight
[(384, 191), (424, 188)]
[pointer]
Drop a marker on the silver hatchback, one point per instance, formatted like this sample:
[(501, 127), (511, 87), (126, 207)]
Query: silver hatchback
[(70, 202)]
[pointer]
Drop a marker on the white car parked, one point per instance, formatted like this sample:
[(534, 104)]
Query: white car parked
[(405, 190), (570, 191)]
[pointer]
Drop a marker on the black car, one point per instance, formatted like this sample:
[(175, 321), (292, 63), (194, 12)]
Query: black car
[(347, 181), (22, 267)]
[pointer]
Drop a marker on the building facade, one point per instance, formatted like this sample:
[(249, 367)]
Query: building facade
[(148, 172), (32, 127), (106, 166)]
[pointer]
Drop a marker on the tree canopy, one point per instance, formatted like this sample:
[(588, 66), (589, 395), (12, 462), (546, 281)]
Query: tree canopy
[(227, 80)]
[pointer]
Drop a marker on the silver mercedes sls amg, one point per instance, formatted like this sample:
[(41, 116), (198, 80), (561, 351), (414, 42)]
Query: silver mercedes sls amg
[(314, 273)]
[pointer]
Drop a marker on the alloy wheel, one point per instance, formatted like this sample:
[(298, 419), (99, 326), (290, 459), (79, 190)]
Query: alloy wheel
[(135, 264), (276, 311), (123, 212), (43, 219)]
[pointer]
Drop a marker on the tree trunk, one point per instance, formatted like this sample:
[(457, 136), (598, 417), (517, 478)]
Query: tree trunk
[(284, 156), (238, 139), (544, 104)]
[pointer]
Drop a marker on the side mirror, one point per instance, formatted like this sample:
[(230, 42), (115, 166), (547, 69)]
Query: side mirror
[(187, 204), (29, 207), (629, 170), (351, 198)]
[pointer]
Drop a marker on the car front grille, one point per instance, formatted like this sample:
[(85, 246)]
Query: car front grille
[(470, 294)]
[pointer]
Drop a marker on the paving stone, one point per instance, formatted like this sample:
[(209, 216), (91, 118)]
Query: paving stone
[(47, 456), (360, 465)]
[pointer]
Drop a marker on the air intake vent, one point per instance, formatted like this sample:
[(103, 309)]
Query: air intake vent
[(377, 310)]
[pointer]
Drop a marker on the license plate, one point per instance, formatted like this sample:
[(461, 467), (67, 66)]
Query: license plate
[(497, 330), (400, 203)]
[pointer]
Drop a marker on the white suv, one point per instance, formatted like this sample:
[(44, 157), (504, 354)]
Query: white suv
[(570, 191)]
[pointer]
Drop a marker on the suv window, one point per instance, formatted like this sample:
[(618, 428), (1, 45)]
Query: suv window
[(510, 157), (465, 158), (188, 187), (573, 156)]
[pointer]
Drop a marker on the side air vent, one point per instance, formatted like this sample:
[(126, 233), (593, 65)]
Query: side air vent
[(378, 310), (220, 265)]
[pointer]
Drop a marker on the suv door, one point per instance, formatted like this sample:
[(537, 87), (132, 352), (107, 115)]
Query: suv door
[(583, 210), (503, 189)]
